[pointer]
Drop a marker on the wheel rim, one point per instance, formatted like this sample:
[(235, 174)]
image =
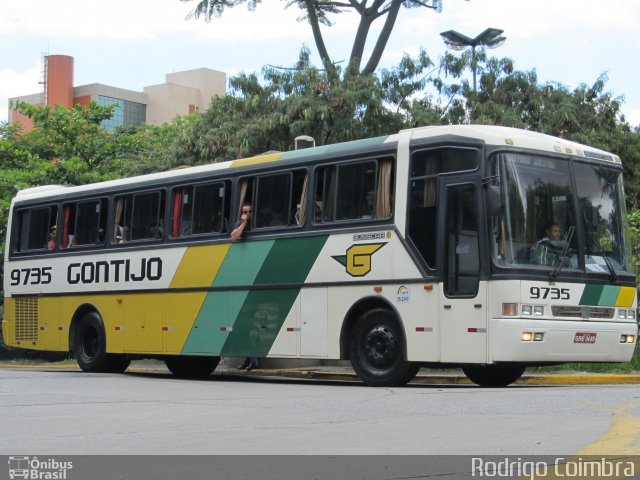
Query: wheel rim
[(380, 347), (90, 343)]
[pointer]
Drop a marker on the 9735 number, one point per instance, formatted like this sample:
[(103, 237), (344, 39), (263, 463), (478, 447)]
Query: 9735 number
[(31, 276), (551, 293)]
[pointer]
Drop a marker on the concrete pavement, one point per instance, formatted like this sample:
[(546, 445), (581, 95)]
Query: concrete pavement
[(346, 374)]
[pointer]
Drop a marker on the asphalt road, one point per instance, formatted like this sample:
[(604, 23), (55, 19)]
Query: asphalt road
[(75, 413)]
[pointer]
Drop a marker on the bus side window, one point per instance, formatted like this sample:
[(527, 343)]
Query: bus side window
[(273, 200), (354, 191), (84, 223), (37, 229), (200, 209), (139, 217)]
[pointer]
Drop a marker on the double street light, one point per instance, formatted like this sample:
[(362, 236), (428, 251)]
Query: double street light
[(490, 38)]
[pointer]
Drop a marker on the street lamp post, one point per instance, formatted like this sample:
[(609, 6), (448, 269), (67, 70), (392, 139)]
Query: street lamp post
[(490, 38)]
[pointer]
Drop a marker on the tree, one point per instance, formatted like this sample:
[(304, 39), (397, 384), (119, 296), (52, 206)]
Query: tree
[(259, 116), (317, 12), (73, 140)]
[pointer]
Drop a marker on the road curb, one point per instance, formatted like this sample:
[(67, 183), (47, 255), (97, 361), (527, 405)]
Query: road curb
[(563, 378), (448, 379)]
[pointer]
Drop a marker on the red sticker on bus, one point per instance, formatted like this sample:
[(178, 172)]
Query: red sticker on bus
[(584, 337)]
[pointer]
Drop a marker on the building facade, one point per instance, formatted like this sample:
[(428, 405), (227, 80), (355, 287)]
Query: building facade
[(181, 94)]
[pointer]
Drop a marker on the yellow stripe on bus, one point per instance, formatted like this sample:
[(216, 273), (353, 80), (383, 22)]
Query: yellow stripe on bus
[(199, 266), (243, 162), (626, 296)]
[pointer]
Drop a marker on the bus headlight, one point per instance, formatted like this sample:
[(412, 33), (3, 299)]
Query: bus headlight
[(626, 314), (532, 336)]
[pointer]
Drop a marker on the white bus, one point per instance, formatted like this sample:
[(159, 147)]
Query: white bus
[(480, 247)]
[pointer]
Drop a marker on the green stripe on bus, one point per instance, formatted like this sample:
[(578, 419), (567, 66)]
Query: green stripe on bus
[(609, 296), (290, 260), (243, 262), (219, 310), (258, 322), (264, 311), (591, 294), (239, 323)]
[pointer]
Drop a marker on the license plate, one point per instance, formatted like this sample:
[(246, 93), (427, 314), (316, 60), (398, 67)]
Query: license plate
[(584, 337)]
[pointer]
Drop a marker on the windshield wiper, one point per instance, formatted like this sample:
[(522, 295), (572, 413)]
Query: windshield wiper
[(565, 251), (612, 271)]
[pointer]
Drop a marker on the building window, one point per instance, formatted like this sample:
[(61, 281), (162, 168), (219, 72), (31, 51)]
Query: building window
[(125, 113)]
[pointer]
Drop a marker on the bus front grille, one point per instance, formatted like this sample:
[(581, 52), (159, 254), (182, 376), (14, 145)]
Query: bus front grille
[(26, 319), (585, 312)]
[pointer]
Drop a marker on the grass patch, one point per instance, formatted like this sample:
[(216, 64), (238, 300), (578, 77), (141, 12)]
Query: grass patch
[(633, 366)]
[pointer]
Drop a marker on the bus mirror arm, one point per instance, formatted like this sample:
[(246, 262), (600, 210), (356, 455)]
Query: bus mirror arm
[(494, 200)]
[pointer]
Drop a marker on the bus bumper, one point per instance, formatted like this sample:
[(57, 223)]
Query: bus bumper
[(520, 340)]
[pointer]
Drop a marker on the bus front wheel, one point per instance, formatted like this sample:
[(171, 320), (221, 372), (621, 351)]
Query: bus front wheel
[(90, 347), (191, 367), (377, 350), (493, 375)]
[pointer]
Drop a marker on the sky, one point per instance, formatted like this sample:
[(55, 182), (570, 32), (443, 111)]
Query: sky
[(134, 43)]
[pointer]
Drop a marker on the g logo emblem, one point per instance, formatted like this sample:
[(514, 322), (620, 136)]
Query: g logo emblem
[(358, 258)]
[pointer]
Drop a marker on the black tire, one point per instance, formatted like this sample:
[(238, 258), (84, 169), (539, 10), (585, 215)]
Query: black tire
[(377, 350), (192, 367), (90, 347), (493, 375), (90, 344), (117, 363)]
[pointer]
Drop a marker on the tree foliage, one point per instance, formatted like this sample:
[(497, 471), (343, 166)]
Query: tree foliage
[(259, 116), (319, 12)]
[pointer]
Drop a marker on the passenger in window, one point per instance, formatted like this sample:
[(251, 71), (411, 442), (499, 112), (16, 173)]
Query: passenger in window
[(552, 233), (317, 213), (156, 233), (550, 247), (242, 224), (51, 244), (101, 237), (123, 234)]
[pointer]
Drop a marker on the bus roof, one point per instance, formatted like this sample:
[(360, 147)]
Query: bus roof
[(489, 134), (514, 137)]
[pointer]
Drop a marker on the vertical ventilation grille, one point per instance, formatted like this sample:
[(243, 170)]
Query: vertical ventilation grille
[(27, 319)]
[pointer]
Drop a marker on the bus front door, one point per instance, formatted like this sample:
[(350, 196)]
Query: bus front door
[(463, 302)]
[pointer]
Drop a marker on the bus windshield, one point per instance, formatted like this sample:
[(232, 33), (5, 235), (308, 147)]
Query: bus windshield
[(538, 226)]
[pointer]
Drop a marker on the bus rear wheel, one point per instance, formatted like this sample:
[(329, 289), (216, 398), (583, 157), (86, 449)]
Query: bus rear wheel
[(377, 351), (191, 367), (90, 347), (493, 375)]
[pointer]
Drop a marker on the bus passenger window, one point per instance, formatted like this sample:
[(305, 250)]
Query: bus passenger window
[(37, 229), (139, 217), (84, 223), (355, 191), (273, 200)]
